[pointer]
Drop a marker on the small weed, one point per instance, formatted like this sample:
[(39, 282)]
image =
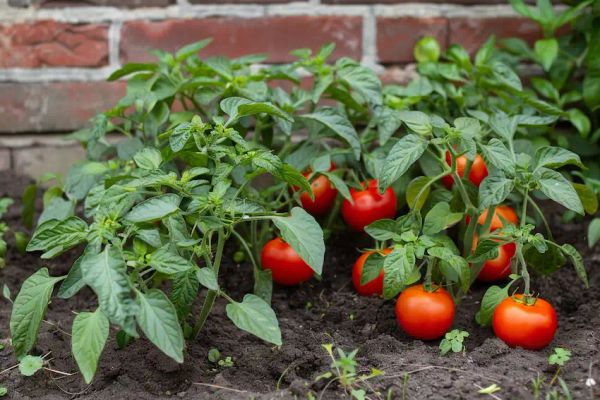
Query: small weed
[(560, 357), (454, 340), (214, 356)]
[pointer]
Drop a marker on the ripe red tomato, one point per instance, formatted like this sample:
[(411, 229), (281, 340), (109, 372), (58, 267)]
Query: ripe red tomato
[(506, 212), (477, 172), (498, 268), (425, 315), (374, 287), (324, 192), (528, 326), (287, 268), (369, 206)]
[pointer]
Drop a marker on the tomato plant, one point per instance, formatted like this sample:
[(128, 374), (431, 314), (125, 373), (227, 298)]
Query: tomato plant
[(525, 322), (368, 205), (286, 266)]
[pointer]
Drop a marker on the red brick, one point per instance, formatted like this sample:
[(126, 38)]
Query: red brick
[(234, 37), (471, 33), (54, 106), (78, 3), (243, 1), (53, 44), (466, 2), (396, 37)]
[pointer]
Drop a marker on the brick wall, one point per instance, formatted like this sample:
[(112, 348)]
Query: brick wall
[(55, 55)]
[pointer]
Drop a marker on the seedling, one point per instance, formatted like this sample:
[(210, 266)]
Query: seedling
[(559, 358), (344, 371), (453, 341)]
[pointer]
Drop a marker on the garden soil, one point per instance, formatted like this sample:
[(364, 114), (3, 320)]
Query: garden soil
[(315, 313)]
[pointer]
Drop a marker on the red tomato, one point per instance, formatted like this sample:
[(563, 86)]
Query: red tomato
[(369, 206), (287, 268), (506, 212), (498, 268), (324, 192), (528, 326), (477, 172), (374, 287), (425, 315)]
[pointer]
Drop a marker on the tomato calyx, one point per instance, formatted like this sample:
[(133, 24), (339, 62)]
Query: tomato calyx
[(525, 299)]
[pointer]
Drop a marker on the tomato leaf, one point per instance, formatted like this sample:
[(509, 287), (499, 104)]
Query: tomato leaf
[(304, 234), (554, 185), (207, 278), (494, 189), (89, 335), (154, 208), (337, 123), (29, 309), (157, 318), (577, 261), (372, 267), (491, 299), (167, 262), (55, 237), (255, 316), (556, 157), (399, 271), (440, 218), (400, 158), (420, 186), (593, 232)]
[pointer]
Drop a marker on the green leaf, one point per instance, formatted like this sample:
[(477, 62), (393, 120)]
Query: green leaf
[(459, 265), (191, 49), (148, 158), (399, 271), (544, 263), (207, 278), (494, 189), (588, 197), (337, 123), (28, 204), (154, 208), (580, 121), (184, 290), (157, 318), (362, 79), (420, 186), (238, 107), (504, 125), (546, 51), (131, 68), (383, 229), (74, 281), (29, 309), (440, 218), (303, 233), (255, 316), (29, 365), (106, 274), (554, 185), (400, 158), (577, 261), (180, 136), (556, 157), (388, 122), (81, 178), (165, 261), (506, 76), (417, 121), (491, 299), (593, 232), (485, 52), (486, 250), (372, 267), (495, 153), (58, 208), (55, 237), (89, 336), (340, 185)]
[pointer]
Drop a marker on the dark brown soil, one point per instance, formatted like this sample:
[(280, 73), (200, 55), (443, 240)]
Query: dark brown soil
[(310, 315)]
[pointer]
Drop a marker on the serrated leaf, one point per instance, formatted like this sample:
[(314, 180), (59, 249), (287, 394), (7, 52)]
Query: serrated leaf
[(398, 271), (89, 335), (157, 318), (400, 158), (417, 121), (338, 124), (494, 189), (497, 154), (55, 237), (554, 185), (29, 309), (165, 261), (303, 233), (148, 158), (556, 157), (255, 316), (440, 218)]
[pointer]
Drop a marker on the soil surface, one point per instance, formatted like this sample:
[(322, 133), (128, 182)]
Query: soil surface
[(310, 315)]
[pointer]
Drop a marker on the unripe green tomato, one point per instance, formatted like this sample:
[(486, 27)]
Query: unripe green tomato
[(427, 50), (239, 257), (21, 240)]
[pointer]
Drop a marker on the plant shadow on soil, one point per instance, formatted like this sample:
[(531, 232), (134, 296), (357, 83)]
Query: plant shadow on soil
[(309, 315)]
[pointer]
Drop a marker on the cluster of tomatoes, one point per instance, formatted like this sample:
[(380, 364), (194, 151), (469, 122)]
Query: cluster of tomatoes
[(421, 313)]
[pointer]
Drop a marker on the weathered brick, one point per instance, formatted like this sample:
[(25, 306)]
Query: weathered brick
[(4, 159), (396, 37), (465, 2), (40, 159), (51, 43), (471, 33), (54, 106), (243, 1), (77, 3), (233, 37)]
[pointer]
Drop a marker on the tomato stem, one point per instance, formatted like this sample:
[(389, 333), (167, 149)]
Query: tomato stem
[(209, 301)]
